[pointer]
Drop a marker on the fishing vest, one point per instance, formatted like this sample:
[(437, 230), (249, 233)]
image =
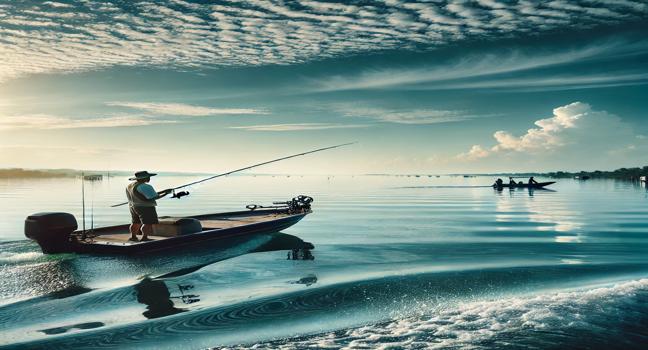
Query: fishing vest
[(136, 199)]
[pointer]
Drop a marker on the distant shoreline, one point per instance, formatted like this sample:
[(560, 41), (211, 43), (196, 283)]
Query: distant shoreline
[(44, 173), (620, 174)]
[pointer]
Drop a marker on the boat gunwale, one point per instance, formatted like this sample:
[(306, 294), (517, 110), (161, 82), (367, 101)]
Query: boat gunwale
[(193, 236)]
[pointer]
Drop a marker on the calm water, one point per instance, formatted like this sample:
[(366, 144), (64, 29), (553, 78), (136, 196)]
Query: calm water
[(399, 263)]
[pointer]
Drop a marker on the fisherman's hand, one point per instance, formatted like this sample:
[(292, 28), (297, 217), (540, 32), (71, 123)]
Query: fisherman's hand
[(165, 192)]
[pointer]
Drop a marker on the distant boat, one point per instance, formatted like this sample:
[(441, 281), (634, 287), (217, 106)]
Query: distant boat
[(523, 185), (583, 177), (642, 178)]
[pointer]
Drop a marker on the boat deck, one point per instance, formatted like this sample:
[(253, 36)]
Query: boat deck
[(119, 235)]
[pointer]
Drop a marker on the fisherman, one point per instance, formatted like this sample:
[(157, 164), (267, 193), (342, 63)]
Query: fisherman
[(499, 182), (141, 201), (532, 181), (512, 182)]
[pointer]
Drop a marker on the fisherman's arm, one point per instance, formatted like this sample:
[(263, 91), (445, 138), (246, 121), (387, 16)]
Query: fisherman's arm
[(164, 193), (150, 194)]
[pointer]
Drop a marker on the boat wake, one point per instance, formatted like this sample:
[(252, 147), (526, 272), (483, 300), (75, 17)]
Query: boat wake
[(414, 187), (431, 309), (578, 319)]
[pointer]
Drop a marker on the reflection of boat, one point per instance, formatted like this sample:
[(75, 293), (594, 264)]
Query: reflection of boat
[(156, 296), (525, 185), (55, 232), (95, 177), (64, 276)]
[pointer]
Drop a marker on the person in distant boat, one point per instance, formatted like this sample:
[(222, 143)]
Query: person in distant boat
[(532, 181), (512, 182), (499, 182), (141, 201)]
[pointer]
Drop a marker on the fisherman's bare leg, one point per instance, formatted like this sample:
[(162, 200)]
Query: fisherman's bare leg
[(134, 230), (147, 229)]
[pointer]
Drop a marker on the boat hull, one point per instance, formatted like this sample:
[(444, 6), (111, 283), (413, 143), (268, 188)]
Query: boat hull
[(538, 185), (113, 240)]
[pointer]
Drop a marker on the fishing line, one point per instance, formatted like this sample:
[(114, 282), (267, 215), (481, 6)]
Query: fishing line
[(249, 167)]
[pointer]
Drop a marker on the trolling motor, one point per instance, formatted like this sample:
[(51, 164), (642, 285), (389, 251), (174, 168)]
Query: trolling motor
[(180, 194), (298, 204)]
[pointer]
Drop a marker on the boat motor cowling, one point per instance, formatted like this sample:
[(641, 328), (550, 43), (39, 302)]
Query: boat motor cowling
[(51, 231)]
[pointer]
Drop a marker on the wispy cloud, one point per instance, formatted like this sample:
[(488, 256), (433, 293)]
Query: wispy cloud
[(405, 116), (298, 127), (488, 70), (180, 109), (44, 121), (93, 34), (556, 82)]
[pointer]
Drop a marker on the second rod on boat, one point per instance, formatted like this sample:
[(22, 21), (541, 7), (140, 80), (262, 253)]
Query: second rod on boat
[(250, 167)]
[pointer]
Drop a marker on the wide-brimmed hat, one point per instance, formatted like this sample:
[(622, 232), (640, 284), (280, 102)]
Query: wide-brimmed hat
[(142, 175)]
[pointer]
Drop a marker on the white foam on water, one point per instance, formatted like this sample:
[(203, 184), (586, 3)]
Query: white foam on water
[(466, 325), (8, 257)]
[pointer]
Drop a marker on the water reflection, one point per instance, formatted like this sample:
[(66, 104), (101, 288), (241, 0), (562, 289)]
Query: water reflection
[(306, 280), (78, 326), (63, 275), (548, 215), (157, 298)]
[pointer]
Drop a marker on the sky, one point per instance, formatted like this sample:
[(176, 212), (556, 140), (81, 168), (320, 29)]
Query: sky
[(435, 87)]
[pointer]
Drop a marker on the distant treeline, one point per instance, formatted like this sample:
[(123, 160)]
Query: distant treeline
[(29, 173), (623, 173)]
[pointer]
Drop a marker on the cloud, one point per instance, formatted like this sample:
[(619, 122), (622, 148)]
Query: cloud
[(552, 133), (475, 152), (575, 133), (44, 121), (94, 34), (544, 83), (404, 116), (57, 4), (180, 109), (489, 70), (298, 127)]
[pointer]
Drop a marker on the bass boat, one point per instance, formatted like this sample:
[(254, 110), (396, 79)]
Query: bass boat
[(57, 232)]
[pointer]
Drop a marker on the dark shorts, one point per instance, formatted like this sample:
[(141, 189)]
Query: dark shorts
[(144, 215)]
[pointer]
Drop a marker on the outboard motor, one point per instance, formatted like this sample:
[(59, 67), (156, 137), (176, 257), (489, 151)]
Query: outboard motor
[(51, 230)]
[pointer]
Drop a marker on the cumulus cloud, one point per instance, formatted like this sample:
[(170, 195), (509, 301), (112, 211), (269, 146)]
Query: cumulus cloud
[(181, 109), (575, 130), (298, 127), (93, 34), (557, 131), (475, 152), (44, 121)]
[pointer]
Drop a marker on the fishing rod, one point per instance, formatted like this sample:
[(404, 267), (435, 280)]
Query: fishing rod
[(245, 168)]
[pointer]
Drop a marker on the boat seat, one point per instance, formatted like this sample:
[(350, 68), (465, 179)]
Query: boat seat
[(171, 227)]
